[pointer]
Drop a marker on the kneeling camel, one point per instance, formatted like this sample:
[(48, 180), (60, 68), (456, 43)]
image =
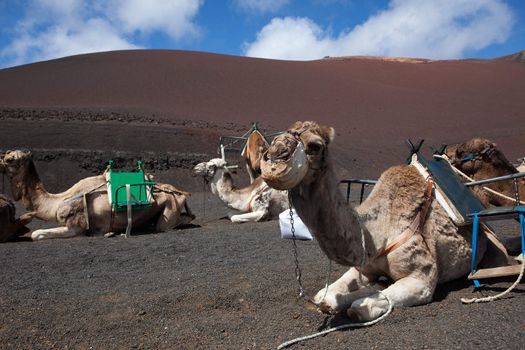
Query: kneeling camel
[(258, 201), (390, 234), (68, 209)]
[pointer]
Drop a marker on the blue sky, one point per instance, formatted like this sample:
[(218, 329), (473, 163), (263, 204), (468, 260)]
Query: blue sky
[(35, 30)]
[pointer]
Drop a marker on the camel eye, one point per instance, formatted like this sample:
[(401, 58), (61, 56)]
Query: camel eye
[(314, 147)]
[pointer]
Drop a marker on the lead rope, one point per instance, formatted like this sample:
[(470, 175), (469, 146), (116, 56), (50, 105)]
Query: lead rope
[(337, 328)]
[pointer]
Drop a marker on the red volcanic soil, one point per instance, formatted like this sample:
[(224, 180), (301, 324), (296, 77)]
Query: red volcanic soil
[(217, 285), (374, 104)]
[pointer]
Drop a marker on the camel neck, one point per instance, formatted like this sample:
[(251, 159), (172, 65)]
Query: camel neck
[(27, 187), (335, 224), (232, 197)]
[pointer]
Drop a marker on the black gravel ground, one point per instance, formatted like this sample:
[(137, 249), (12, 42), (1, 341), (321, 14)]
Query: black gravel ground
[(215, 285)]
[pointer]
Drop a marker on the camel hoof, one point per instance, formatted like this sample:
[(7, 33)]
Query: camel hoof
[(326, 309), (109, 234), (37, 237)]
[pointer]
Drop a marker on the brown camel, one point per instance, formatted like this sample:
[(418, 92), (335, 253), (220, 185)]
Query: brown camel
[(68, 209), (480, 159), (398, 232), (10, 227), (252, 153)]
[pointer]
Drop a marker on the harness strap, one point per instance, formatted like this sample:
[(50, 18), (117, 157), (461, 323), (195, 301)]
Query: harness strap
[(256, 195), (128, 200), (415, 226)]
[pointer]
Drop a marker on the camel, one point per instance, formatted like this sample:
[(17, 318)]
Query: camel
[(398, 232), (257, 202), (521, 165), (10, 227), (480, 159), (68, 210), (252, 153)]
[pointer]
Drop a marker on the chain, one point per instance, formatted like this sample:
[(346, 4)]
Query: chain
[(298, 272)]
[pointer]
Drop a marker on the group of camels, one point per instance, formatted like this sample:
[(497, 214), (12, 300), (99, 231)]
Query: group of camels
[(298, 165)]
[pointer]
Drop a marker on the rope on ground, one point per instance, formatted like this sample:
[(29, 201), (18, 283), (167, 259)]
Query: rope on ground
[(341, 327), (471, 179), (498, 296), (348, 325)]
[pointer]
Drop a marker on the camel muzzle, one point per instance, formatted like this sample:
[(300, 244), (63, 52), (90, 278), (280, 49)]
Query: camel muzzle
[(282, 166)]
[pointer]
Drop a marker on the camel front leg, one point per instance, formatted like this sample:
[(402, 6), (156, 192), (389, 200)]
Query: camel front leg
[(56, 232), (408, 291), (248, 217), (343, 292)]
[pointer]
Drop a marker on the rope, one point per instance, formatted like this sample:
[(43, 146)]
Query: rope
[(471, 179), (341, 327), (344, 326), (498, 296), (84, 193)]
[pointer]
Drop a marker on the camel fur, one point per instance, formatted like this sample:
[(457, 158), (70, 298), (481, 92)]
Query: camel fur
[(436, 252), (257, 201), (10, 226), (488, 162), (68, 210), (521, 166)]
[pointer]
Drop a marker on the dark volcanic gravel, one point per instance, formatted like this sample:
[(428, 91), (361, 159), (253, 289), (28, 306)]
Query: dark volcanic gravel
[(215, 285)]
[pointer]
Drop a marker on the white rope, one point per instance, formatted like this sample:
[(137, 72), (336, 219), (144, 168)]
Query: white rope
[(471, 179), (338, 328), (348, 325), (498, 296)]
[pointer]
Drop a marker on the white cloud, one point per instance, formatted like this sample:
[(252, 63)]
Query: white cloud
[(59, 41), (407, 28), (57, 28), (262, 6), (172, 17)]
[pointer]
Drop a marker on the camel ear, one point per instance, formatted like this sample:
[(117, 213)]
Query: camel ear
[(328, 133)]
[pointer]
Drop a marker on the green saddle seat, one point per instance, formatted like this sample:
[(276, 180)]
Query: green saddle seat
[(141, 190)]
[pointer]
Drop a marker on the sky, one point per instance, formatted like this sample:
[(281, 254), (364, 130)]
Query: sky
[(36, 30)]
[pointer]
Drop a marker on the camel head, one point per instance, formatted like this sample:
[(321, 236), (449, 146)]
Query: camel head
[(208, 169), (12, 161), (471, 156), (297, 155)]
